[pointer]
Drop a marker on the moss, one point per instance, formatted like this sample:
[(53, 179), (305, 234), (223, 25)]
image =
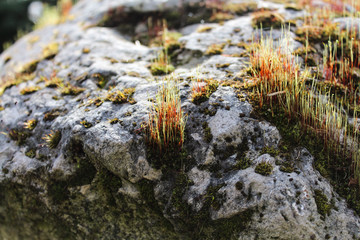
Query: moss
[(240, 8), (205, 28), (207, 132), (317, 34), (329, 164), (171, 42), (53, 139), (191, 222), (239, 185), (146, 189), (114, 121), (124, 96), (270, 150), (222, 65), (159, 68), (98, 101), (101, 79), (29, 67), (58, 191), (86, 124), (267, 19), (7, 59), (322, 203), (18, 135), (224, 229), (109, 181), (215, 49), (50, 50), (213, 197), (53, 82), (168, 40), (169, 158), (54, 113), (8, 82), (1, 108), (221, 17), (31, 153), (287, 167), (29, 90), (201, 93), (242, 163), (68, 89), (264, 168), (30, 124)]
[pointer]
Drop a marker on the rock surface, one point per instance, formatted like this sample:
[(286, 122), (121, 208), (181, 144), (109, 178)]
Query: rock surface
[(98, 182)]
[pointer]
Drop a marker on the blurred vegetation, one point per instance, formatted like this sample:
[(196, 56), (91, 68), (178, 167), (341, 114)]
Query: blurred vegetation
[(14, 21)]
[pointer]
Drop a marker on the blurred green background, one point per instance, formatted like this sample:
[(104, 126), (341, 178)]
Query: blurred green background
[(14, 19)]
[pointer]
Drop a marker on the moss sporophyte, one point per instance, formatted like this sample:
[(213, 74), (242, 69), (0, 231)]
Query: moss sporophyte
[(164, 130)]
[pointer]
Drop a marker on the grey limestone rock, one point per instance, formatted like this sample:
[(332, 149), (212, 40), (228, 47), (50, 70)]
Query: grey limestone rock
[(99, 181)]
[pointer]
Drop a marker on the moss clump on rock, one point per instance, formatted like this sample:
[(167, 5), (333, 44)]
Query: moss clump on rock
[(53, 139), (207, 132), (264, 168), (322, 203), (267, 19), (271, 151), (68, 89), (31, 153), (215, 49), (86, 124), (29, 90), (159, 68), (18, 135)]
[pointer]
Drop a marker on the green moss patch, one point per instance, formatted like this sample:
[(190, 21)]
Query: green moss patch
[(322, 203), (264, 168)]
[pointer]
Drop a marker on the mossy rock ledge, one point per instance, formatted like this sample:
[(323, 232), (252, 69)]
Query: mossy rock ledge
[(100, 181)]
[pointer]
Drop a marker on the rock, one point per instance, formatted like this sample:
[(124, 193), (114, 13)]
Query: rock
[(99, 178)]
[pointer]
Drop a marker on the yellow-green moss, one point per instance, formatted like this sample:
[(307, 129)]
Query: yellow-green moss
[(322, 203), (29, 90), (159, 68), (31, 153), (114, 121), (68, 89), (267, 19), (240, 8), (51, 115), (205, 28), (86, 124), (221, 16), (124, 96), (270, 150), (53, 82), (215, 49), (30, 124), (264, 168), (50, 50), (86, 50), (53, 139), (207, 132), (18, 135)]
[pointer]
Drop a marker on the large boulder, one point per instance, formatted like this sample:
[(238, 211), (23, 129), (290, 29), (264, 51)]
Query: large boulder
[(98, 181)]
